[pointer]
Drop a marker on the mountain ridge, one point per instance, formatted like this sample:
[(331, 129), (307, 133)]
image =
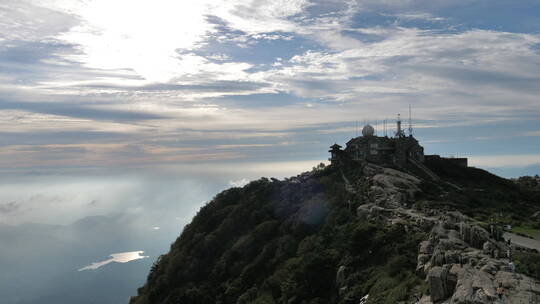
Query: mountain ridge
[(332, 235)]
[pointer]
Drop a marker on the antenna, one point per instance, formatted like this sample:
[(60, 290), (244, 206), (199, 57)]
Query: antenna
[(399, 133), (356, 128), (410, 121)]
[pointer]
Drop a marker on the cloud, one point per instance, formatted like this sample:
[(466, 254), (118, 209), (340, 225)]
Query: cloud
[(219, 86), (260, 16), (412, 61), (497, 161), (10, 207), (22, 20), (78, 111), (247, 74), (36, 65)]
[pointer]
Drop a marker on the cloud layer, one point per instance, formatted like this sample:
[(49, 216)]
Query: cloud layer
[(158, 83)]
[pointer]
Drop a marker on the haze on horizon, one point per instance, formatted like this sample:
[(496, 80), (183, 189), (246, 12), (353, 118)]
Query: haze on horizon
[(120, 117)]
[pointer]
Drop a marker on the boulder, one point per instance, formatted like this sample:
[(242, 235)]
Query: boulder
[(489, 268), (424, 248), (437, 259), (425, 300), (438, 287), (441, 282), (474, 286), (396, 199), (371, 169), (422, 259), (292, 300), (456, 217), (473, 235), (340, 276), (376, 192), (451, 257), (364, 211), (399, 221), (487, 247)]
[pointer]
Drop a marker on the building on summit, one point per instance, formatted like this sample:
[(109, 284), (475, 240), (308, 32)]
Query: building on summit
[(399, 150)]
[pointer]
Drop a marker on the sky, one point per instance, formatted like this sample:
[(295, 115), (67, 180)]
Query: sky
[(138, 84), (143, 110)]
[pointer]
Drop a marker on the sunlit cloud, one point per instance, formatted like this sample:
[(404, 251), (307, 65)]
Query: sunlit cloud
[(141, 36), (166, 81)]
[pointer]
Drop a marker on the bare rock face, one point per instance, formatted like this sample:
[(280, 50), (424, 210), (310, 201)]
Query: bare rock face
[(373, 212), (473, 286), (460, 262), (440, 287), (390, 188), (474, 235), (460, 268)]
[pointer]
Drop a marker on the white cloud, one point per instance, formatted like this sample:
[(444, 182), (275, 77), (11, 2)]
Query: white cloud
[(418, 62), (345, 78), (29, 21), (260, 16), (417, 16), (142, 36), (497, 161)]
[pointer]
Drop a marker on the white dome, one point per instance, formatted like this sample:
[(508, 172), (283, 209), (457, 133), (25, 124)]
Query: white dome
[(368, 130)]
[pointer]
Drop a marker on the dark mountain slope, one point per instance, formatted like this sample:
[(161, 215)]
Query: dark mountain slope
[(300, 240)]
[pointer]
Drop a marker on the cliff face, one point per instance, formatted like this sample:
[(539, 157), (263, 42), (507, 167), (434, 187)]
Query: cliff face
[(338, 234)]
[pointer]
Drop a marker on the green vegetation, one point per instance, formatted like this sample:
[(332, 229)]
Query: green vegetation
[(283, 241), (529, 182), (528, 263), (528, 231), (484, 196)]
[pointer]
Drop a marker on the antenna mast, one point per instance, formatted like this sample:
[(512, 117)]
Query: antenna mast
[(410, 121), (399, 132)]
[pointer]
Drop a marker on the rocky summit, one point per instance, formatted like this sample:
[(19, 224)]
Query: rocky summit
[(356, 232)]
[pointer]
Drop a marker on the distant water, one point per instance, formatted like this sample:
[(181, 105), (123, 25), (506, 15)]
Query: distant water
[(121, 257)]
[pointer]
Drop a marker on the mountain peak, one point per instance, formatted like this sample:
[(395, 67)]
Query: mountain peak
[(341, 232)]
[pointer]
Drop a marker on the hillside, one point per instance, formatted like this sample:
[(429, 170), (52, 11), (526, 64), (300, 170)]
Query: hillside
[(339, 233)]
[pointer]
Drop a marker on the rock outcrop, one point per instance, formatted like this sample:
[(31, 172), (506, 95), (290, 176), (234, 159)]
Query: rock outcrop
[(460, 266), (459, 260)]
